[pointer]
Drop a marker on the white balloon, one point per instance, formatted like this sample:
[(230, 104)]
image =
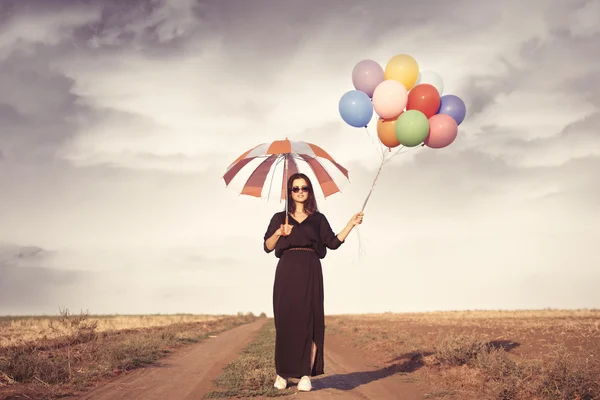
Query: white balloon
[(432, 78)]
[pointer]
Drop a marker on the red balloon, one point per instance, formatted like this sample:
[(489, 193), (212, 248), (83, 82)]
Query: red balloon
[(424, 98)]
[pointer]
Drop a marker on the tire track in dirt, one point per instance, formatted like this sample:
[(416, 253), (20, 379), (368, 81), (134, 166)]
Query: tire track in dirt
[(350, 376), (187, 374)]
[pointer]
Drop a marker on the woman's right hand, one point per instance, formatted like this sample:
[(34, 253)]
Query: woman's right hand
[(285, 230)]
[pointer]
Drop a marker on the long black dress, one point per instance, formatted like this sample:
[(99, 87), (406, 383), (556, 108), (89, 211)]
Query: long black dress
[(298, 293)]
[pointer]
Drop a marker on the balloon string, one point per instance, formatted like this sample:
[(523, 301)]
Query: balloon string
[(361, 250), (384, 160), (373, 185), (370, 137), (383, 150)]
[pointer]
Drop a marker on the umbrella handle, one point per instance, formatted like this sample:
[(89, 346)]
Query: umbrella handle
[(286, 222), (286, 195), (282, 232)]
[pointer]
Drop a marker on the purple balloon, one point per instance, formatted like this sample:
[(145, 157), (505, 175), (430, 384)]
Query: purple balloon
[(453, 106), (366, 75)]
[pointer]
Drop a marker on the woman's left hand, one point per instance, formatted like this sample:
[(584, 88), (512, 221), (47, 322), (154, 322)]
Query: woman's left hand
[(356, 219)]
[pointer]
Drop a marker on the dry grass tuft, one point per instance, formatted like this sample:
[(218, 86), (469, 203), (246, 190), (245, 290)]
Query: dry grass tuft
[(504, 375), (570, 377), (457, 350)]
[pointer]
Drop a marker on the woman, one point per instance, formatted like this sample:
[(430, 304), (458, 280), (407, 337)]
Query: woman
[(298, 287)]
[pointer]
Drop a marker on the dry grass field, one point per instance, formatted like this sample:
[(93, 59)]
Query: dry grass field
[(20, 330), (467, 355), (54, 355), (506, 355)]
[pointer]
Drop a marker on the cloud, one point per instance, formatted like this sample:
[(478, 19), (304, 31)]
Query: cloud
[(10, 115), (37, 280), (196, 123), (37, 290), (119, 119), (28, 285), (35, 108), (145, 23), (114, 78), (29, 26), (14, 254)]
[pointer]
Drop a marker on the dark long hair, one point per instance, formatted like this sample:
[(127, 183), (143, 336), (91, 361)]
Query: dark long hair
[(310, 205)]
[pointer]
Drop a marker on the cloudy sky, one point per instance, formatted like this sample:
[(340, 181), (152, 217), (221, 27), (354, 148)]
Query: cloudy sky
[(118, 119)]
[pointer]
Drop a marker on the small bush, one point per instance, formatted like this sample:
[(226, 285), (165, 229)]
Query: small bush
[(29, 366), (459, 350), (568, 377), (504, 375)]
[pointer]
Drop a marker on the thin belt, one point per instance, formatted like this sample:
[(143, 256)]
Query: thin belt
[(301, 248)]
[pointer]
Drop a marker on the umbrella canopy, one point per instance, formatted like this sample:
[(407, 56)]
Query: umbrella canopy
[(295, 155)]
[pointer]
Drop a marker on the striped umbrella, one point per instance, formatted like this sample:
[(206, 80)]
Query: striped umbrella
[(295, 155)]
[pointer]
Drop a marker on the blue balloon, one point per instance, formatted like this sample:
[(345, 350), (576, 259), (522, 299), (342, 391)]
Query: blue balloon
[(356, 108), (453, 106)]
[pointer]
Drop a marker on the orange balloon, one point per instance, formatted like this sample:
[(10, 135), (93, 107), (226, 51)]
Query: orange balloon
[(386, 131)]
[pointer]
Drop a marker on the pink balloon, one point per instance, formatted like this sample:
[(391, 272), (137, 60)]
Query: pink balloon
[(443, 129), (389, 99), (366, 75)]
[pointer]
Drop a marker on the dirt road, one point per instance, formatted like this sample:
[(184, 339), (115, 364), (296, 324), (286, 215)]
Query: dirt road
[(188, 373)]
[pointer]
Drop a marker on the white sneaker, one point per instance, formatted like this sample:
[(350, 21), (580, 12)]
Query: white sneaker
[(280, 383), (304, 384)]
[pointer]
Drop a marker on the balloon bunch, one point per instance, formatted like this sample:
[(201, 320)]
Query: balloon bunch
[(409, 103)]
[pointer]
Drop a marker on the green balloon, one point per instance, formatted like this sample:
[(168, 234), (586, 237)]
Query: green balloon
[(412, 128)]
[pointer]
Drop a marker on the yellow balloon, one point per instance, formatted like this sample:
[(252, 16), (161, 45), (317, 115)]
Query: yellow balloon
[(404, 69)]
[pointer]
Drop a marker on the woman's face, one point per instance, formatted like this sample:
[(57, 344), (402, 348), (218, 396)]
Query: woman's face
[(300, 190)]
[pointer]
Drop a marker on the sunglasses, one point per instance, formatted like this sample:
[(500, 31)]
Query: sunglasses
[(296, 189)]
